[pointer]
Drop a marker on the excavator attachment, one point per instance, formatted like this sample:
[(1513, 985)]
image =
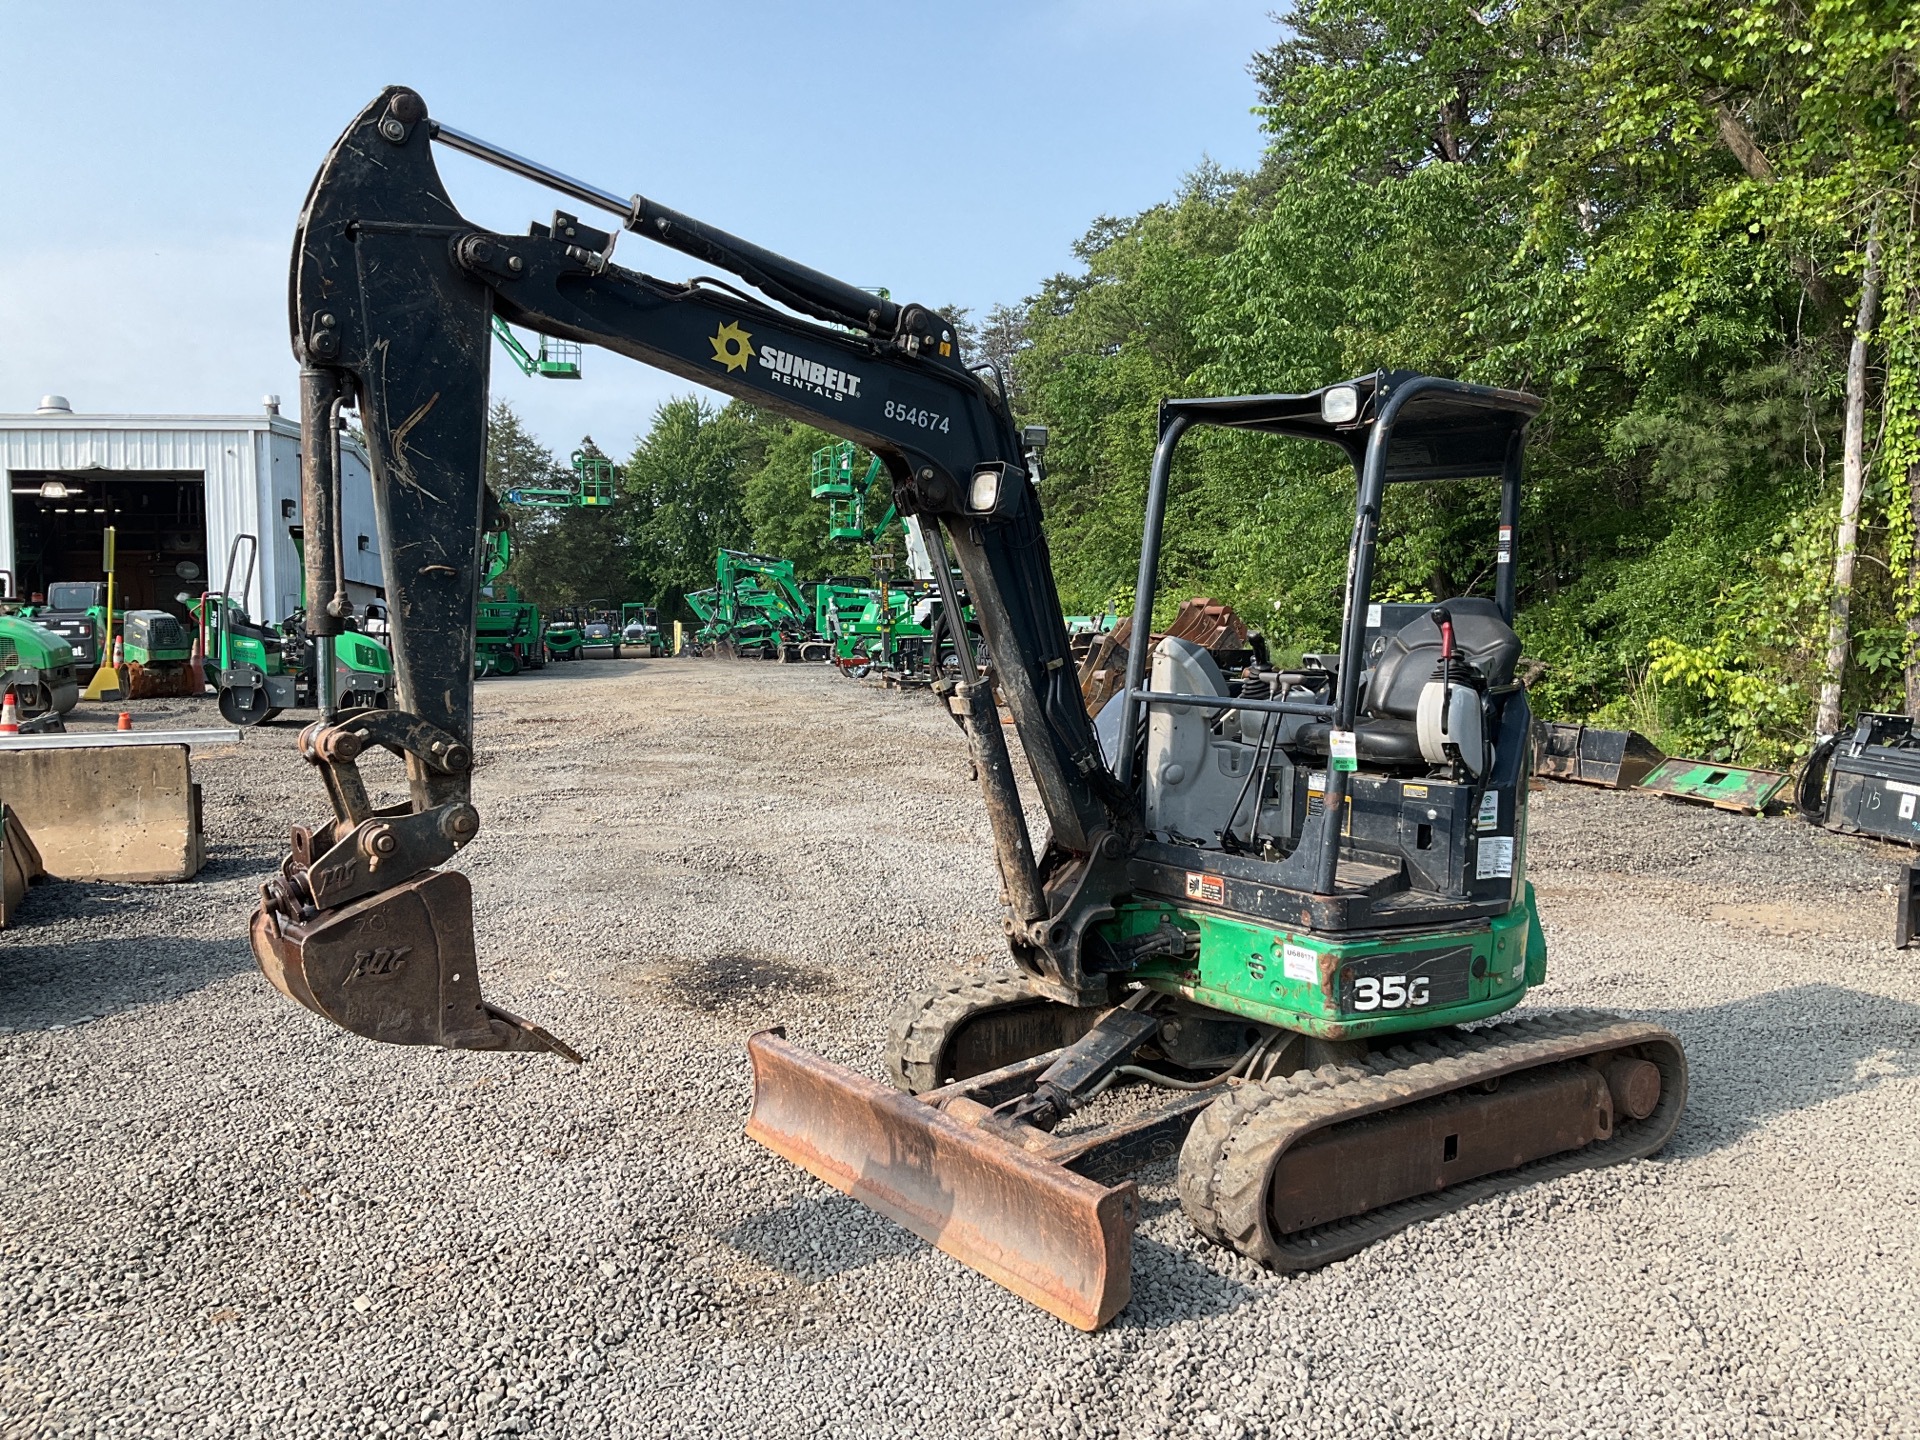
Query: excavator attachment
[(1049, 1235), (398, 967)]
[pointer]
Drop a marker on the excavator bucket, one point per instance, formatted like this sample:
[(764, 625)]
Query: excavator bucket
[(398, 967), (1049, 1235)]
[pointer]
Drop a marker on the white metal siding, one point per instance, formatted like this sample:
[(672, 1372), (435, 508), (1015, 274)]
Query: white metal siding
[(249, 465)]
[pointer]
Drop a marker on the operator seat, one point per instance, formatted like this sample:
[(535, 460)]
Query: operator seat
[(1385, 732)]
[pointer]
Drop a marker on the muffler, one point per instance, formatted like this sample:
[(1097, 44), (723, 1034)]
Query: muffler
[(1049, 1235)]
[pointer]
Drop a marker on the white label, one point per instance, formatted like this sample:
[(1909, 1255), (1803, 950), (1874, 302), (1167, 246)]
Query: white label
[(1901, 788), (1342, 751), (1906, 807), (1373, 617), (1490, 811), (1495, 859), (1300, 963)]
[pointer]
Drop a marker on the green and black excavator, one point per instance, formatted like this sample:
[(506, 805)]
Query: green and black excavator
[(1268, 904)]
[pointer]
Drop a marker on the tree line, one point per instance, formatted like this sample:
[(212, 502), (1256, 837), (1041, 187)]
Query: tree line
[(1689, 224)]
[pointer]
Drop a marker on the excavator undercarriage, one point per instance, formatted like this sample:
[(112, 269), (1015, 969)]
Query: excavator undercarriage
[(1277, 912)]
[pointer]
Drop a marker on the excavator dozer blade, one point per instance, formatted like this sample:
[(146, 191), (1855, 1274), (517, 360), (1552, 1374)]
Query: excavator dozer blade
[(397, 967), (1049, 1235)]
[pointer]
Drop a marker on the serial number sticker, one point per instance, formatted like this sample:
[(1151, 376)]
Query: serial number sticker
[(1490, 811), (1406, 982), (1900, 787), (1495, 860), (1300, 963), (1210, 888)]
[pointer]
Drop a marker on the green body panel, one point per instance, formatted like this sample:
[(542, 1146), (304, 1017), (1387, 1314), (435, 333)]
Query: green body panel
[(25, 645), (1290, 978), (362, 655)]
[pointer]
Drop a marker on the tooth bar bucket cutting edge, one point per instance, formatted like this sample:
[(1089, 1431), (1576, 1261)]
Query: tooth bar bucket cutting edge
[(1048, 1234)]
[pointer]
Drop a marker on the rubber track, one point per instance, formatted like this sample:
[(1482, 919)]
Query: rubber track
[(1233, 1146), (917, 1035)]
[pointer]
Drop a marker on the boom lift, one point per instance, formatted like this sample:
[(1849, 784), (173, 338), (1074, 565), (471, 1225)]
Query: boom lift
[(1276, 895)]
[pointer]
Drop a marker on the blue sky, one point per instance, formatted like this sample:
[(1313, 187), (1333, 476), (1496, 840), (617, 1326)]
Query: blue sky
[(156, 156)]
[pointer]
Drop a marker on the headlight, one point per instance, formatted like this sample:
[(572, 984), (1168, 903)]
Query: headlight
[(984, 493), (1339, 405)]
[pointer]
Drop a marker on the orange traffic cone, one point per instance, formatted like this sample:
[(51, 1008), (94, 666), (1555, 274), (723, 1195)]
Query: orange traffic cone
[(126, 721), (119, 652), (10, 716)]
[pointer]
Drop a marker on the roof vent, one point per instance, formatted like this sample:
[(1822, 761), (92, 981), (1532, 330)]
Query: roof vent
[(272, 402), (54, 405)]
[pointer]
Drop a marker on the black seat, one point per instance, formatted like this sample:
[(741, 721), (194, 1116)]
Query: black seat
[(1385, 733), (1412, 654)]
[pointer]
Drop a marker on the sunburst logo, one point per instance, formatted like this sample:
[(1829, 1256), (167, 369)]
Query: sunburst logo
[(732, 346)]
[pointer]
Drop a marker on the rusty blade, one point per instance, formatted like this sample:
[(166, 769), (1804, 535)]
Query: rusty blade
[(1052, 1237), (398, 967)]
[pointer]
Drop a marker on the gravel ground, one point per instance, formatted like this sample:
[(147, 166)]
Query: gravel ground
[(221, 1217)]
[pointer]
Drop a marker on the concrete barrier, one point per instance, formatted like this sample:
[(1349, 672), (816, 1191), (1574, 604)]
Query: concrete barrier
[(107, 812)]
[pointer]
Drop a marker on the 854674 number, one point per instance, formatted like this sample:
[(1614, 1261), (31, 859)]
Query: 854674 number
[(924, 419)]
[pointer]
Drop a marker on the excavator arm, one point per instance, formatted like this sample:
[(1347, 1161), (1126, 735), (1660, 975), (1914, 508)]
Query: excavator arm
[(393, 299)]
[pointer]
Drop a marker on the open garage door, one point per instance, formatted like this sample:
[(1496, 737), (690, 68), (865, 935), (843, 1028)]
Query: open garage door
[(59, 518)]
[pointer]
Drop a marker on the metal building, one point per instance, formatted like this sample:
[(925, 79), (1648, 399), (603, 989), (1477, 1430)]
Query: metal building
[(177, 489)]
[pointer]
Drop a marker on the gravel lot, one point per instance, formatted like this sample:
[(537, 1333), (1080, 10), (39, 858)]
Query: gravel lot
[(221, 1217)]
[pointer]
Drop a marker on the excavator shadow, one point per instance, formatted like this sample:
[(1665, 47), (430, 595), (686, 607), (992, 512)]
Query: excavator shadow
[(63, 981)]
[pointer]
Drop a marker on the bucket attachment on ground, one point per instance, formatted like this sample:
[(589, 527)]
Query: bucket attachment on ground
[(22, 864), (1049, 1235), (1726, 787), (1617, 759), (107, 812)]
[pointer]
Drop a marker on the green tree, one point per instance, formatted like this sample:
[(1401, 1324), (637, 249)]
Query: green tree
[(687, 481)]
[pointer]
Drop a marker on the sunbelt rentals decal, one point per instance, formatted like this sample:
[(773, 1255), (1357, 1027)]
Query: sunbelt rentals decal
[(733, 349)]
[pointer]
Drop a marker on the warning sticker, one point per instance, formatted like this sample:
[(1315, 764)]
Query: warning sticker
[(1373, 617), (1300, 963), (1490, 811), (1414, 792), (1496, 857), (1210, 888)]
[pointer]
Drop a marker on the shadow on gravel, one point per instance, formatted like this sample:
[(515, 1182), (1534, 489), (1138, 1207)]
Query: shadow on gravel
[(49, 975), (815, 1236), (733, 981), (1786, 1050), (1171, 1286)]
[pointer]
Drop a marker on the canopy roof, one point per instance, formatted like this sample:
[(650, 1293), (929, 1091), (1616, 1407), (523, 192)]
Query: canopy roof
[(1449, 430)]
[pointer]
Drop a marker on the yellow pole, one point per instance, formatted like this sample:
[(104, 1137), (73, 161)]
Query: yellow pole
[(105, 684)]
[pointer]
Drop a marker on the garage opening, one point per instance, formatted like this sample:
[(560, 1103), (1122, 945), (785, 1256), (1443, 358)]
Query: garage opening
[(60, 517)]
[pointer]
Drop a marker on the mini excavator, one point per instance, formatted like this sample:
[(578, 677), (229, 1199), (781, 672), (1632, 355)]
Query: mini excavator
[(1273, 911)]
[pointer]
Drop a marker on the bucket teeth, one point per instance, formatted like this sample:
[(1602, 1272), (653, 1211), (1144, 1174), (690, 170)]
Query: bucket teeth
[(1049, 1235)]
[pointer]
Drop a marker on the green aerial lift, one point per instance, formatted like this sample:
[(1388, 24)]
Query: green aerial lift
[(897, 627), (555, 360), (507, 632)]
